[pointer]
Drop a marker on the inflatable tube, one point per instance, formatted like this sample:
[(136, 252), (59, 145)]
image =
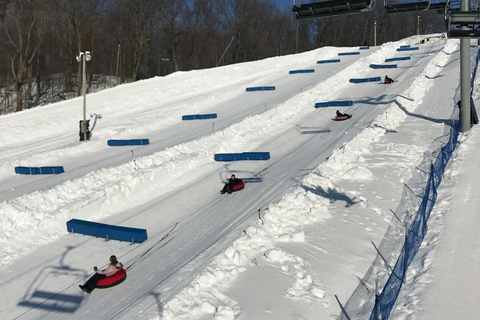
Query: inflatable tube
[(344, 117), (238, 186), (116, 278)]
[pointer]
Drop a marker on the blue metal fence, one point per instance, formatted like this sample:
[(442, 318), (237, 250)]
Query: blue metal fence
[(199, 116), (268, 88), (39, 170), (244, 156), (397, 59), (385, 302), (130, 142), (107, 231), (344, 103), (328, 61), (360, 80)]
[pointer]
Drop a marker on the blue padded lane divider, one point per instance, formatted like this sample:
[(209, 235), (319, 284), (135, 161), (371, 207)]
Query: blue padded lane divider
[(302, 71), (364, 48), (199, 116), (242, 156), (348, 53), (407, 49), (260, 88), (39, 170), (345, 103), (107, 231), (130, 142), (383, 66), (405, 46), (360, 80), (397, 59), (328, 61)]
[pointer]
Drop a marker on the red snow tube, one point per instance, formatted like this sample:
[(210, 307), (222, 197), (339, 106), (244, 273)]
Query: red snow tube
[(238, 186), (116, 278), (344, 117)]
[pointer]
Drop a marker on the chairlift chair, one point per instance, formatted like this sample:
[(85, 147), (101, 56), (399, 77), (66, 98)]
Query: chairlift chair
[(415, 6), (332, 8), (458, 19)]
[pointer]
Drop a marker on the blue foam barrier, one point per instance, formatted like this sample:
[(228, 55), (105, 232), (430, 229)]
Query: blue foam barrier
[(260, 88), (107, 231), (345, 103), (364, 48), (301, 71), (328, 61), (397, 59), (199, 116), (349, 53), (383, 66), (245, 156), (407, 49), (405, 46), (130, 142), (360, 80), (39, 170)]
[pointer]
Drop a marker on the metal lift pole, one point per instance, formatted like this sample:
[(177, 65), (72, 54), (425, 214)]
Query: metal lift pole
[(465, 120)]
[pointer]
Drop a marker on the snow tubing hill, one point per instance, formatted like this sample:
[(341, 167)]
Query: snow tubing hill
[(117, 278)]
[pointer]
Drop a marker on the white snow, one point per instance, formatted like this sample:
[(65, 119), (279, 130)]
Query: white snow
[(292, 245)]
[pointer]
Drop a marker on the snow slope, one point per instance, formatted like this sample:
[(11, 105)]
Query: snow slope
[(329, 215)]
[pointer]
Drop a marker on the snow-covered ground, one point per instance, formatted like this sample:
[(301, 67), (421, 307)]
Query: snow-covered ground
[(209, 255)]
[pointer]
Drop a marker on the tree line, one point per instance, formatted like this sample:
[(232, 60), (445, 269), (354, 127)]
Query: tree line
[(138, 39)]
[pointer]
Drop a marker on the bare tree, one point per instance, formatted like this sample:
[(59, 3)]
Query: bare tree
[(23, 28)]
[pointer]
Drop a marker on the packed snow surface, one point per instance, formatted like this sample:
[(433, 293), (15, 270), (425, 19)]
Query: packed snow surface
[(292, 245)]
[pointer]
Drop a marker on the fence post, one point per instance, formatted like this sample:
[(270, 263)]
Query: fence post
[(405, 256), (378, 314)]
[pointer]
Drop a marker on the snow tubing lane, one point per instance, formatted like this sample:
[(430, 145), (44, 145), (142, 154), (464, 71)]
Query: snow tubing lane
[(342, 118), (238, 186), (117, 278)]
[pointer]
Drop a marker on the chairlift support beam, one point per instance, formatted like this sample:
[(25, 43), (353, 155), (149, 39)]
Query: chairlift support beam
[(331, 8)]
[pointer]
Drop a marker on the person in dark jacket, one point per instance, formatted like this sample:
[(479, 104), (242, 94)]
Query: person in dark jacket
[(229, 186), (388, 80), (112, 268), (339, 114)]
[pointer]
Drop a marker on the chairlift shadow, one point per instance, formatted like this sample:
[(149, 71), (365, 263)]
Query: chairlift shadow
[(246, 176), (450, 53), (158, 301), (435, 77), (312, 130), (333, 195), (387, 131), (37, 298), (447, 122), (449, 63)]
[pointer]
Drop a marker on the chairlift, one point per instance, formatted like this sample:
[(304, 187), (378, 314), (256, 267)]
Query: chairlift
[(331, 8), (421, 5), (459, 19)]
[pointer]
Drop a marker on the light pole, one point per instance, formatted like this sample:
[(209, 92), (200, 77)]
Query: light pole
[(375, 33), (418, 25), (83, 57)]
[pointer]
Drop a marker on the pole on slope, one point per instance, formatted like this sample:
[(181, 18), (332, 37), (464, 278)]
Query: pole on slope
[(296, 40), (219, 60), (418, 25), (465, 120), (375, 33)]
